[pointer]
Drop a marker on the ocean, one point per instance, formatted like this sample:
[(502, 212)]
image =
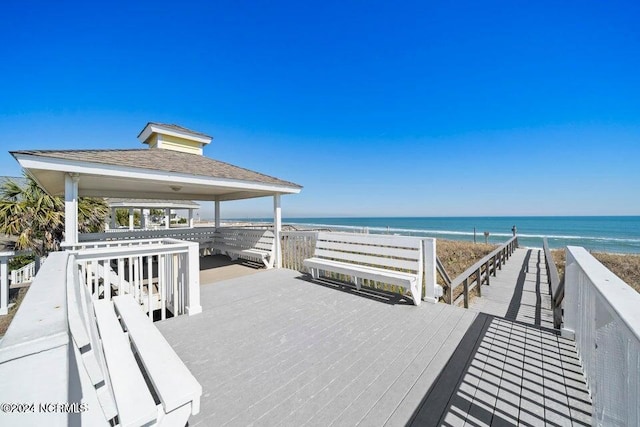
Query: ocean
[(618, 234)]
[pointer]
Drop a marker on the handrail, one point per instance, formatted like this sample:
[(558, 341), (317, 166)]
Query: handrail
[(556, 287), (601, 313), (495, 259)]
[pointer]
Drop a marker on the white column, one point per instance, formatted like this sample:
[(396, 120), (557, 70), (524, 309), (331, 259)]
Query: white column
[(217, 213), (167, 218), (4, 283), (114, 222), (131, 224), (277, 228), (429, 257), (71, 208), (145, 218), (190, 222)]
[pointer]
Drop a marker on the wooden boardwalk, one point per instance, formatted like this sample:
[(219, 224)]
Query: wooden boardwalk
[(275, 349)]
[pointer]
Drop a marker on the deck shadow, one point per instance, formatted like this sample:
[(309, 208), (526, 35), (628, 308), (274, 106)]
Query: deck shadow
[(378, 295), (493, 378), (516, 299)]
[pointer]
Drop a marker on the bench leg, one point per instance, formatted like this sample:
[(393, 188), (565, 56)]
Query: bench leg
[(416, 294), (268, 264), (177, 417), (358, 282)]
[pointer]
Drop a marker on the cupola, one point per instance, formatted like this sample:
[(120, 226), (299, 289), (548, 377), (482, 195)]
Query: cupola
[(173, 137)]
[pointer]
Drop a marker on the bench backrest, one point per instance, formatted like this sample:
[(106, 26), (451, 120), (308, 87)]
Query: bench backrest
[(401, 253), (245, 238)]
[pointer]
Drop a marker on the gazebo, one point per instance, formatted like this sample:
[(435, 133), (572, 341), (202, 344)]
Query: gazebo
[(173, 167)]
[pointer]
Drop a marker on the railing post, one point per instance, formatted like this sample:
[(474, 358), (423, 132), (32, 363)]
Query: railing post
[(571, 297), (465, 291), (193, 279), (479, 279), (4, 282), (429, 257), (487, 272)]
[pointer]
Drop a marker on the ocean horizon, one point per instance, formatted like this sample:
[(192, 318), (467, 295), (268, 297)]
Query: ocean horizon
[(617, 234)]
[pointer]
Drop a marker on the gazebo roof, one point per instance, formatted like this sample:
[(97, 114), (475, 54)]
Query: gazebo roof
[(150, 173)]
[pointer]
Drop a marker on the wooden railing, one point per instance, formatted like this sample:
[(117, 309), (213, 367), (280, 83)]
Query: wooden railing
[(556, 286), (161, 274), (479, 273), (601, 313), (296, 247)]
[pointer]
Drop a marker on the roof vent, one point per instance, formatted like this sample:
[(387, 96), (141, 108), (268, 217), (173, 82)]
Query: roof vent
[(173, 137)]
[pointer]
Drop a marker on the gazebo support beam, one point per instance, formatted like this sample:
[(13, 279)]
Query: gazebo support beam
[(217, 213), (131, 217), (71, 208), (113, 222), (277, 228)]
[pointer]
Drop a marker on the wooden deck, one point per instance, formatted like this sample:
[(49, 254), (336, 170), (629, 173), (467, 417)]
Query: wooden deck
[(275, 349)]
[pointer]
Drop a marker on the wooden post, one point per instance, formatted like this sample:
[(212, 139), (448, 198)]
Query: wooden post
[(479, 281), (167, 218), (487, 272), (465, 292), (193, 279), (474, 235), (486, 237)]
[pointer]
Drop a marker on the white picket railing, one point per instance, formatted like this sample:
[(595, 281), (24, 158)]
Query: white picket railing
[(27, 272), (198, 234), (602, 312), (161, 274)]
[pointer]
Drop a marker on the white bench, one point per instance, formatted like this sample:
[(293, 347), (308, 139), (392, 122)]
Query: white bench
[(247, 243), (125, 367), (394, 260)]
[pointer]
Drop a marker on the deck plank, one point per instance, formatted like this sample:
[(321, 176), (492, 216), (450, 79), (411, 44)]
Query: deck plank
[(276, 349)]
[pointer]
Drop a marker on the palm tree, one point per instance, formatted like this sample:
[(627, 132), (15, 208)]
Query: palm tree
[(37, 219)]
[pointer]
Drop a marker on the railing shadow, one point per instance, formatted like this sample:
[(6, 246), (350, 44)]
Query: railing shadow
[(505, 373)]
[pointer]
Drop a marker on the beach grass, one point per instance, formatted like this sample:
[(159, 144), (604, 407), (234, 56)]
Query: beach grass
[(625, 266)]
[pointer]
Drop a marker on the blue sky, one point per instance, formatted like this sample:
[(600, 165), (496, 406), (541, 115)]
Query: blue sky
[(376, 108)]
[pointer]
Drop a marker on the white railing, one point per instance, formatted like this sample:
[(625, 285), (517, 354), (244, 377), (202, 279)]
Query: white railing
[(161, 274), (26, 273), (602, 312), (35, 365), (199, 234)]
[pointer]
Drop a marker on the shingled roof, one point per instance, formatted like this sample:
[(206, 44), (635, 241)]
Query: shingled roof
[(174, 127), (161, 160)]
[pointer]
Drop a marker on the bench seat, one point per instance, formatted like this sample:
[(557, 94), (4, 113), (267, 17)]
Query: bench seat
[(393, 260), (252, 244)]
